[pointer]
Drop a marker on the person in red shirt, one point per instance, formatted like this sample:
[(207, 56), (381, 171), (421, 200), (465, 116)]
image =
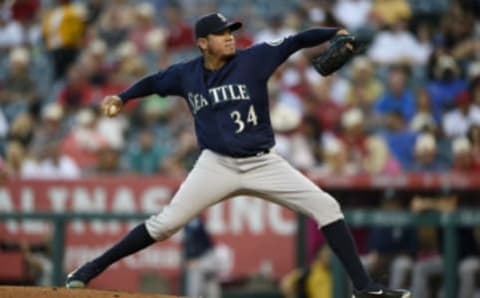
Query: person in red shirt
[(77, 92), (24, 11), (180, 34), (463, 160)]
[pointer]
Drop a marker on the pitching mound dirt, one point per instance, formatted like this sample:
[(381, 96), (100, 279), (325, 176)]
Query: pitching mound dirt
[(37, 292)]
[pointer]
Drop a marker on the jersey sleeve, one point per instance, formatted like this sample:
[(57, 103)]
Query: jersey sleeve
[(274, 53), (165, 82)]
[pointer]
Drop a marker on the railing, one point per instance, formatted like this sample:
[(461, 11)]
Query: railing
[(449, 222), (59, 221)]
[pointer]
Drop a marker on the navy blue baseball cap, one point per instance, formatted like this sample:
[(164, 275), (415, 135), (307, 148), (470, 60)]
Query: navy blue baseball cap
[(214, 23)]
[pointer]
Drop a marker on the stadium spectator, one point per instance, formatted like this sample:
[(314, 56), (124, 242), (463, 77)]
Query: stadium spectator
[(474, 138), (275, 30), (107, 161), (202, 264), (37, 258), (398, 97), (335, 86), (457, 24), (15, 154), (385, 13), (430, 10), (156, 49), (52, 128), (144, 24), (320, 105), (397, 45), (291, 142), (427, 158), (354, 136), (51, 164), (50, 132), (11, 34), (312, 130), (473, 74), (425, 118), (63, 30), (335, 159), (18, 89), (84, 140), (94, 61), (145, 157), (129, 63), (399, 138), (463, 161), (22, 129), (94, 10), (26, 13), (315, 281), (183, 156), (162, 117), (115, 23), (424, 46), (446, 84), (364, 88), (391, 249), (77, 91), (180, 33), (56, 165), (457, 122), (377, 159), (467, 248), (353, 14), (294, 77), (113, 130)]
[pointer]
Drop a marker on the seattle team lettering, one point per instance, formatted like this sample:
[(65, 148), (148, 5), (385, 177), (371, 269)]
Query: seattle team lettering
[(218, 94)]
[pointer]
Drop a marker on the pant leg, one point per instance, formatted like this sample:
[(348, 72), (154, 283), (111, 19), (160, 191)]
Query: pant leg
[(194, 281), (211, 268), (399, 270), (208, 183), (63, 58), (422, 271), (276, 180), (202, 278), (212, 288), (272, 178), (467, 270)]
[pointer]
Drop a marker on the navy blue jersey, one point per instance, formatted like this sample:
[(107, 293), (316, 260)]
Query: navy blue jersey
[(230, 105), (196, 240)]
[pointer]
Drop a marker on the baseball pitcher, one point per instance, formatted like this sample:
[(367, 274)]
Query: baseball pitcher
[(226, 91)]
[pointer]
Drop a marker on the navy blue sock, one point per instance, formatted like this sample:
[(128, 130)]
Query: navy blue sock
[(341, 242), (136, 240)]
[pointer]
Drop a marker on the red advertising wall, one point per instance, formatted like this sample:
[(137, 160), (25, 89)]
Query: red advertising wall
[(250, 233)]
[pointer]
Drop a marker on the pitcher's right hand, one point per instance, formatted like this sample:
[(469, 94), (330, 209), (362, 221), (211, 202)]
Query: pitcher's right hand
[(111, 105)]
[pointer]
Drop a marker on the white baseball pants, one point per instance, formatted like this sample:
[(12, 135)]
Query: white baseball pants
[(216, 177)]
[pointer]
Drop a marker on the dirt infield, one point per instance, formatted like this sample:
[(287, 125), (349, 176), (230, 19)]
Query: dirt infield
[(37, 292)]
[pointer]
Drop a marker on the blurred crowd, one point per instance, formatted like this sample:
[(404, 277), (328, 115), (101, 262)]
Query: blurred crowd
[(409, 102)]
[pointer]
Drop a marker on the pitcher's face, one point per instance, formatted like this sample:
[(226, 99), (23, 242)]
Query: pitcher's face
[(220, 44)]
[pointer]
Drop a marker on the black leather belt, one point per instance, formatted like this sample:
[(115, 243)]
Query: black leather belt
[(260, 153)]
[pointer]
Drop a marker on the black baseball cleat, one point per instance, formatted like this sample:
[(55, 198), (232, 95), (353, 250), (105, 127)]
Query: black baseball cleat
[(80, 277), (382, 293)]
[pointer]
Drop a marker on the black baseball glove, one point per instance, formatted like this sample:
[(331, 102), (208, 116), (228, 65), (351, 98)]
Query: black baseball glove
[(342, 48)]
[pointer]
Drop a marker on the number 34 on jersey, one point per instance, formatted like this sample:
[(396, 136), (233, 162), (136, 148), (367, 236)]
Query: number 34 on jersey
[(243, 120)]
